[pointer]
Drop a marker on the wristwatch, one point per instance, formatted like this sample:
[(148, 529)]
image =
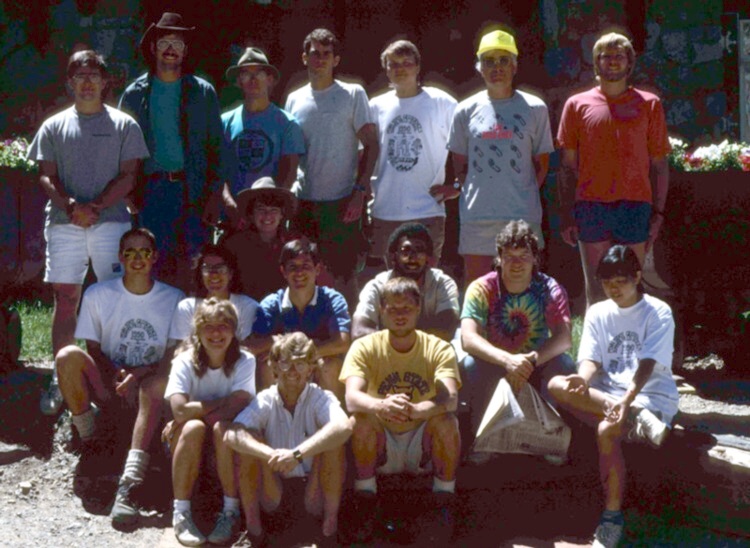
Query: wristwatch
[(297, 455), (457, 185)]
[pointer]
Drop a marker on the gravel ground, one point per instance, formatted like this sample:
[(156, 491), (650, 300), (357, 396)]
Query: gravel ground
[(39, 505)]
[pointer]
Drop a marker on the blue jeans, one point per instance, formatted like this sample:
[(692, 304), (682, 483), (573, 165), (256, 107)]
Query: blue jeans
[(480, 379)]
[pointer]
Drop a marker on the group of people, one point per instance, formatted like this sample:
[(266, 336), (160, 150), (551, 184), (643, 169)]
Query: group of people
[(264, 361)]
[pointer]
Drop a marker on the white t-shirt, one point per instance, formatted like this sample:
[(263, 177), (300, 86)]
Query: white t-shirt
[(413, 133), (439, 293), (617, 338), (182, 321), (330, 119), (500, 138), (131, 329), (214, 384), (267, 415)]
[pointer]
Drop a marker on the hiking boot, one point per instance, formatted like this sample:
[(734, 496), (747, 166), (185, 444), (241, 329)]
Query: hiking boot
[(124, 510), (647, 426), (226, 527), (607, 534), (185, 530)]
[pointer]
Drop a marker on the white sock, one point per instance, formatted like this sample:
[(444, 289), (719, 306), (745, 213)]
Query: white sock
[(84, 423), (440, 486), (369, 485), (180, 507), (136, 465), (231, 504)]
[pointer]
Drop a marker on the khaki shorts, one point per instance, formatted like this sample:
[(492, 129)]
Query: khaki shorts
[(478, 237), (382, 230)]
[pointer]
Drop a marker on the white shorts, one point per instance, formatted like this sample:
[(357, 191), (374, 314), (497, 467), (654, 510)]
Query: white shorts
[(71, 248), (478, 237), (404, 452)]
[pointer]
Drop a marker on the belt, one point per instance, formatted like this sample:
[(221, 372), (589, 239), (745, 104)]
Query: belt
[(171, 176)]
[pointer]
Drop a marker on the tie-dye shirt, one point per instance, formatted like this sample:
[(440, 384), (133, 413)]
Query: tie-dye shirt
[(516, 322)]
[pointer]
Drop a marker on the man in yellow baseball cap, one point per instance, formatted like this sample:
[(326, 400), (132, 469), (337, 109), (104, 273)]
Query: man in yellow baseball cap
[(500, 142)]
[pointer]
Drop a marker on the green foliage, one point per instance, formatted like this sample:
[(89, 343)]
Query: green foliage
[(725, 156), (36, 322), (576, 329), (13, 154)]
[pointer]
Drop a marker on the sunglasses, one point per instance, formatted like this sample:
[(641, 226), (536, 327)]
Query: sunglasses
[(163, 44), (132, 252)]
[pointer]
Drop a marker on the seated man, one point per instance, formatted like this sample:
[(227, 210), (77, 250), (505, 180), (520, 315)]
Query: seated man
[(411, 252), (292, 429), (515, 322), (125, 323), (319, 312), (402, 386), (624, 381)]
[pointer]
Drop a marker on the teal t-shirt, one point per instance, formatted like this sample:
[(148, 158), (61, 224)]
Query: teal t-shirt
[(164, 109)]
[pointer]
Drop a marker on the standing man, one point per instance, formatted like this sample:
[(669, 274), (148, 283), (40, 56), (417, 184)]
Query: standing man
[(500, 143), (515, 322), (88, 157), (402, 388), (179, 115), (413, 124), (410, 248), (335, 119), (611, 137), (125, 323), (266, 140)]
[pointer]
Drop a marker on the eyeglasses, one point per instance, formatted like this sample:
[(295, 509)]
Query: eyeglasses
[(490, 62), (246, 76), (91, 77), (299, 365), (390, 65), (215, 269), (163, 44), (525, 258), (133, 252)]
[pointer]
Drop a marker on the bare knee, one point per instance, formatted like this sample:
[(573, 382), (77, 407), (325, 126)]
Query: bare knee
[(194, 431), (608, 434), (71, 358), (556, 388), (365, 426), (442, 427), (152, 389)]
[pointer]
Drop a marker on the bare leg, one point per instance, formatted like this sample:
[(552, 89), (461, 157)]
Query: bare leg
[(591, 254), (187, 453), (324, 488), (259, 487), (611, 464), (442, 441), (150, 407), (368, 441), (64, 318), (224, 460), (476, 266), (328, 376), (80, 379)]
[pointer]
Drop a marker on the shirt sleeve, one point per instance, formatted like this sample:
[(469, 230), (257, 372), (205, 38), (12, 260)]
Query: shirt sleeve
[(268, 309), (244, 374), (542, 140), (567, 134), (446, 363), (588, 347), (658, 140), (133, 144), (343, 322), (293, 141), (557, 310), (180, 377), (369, 299), (182, 320), (447, 294), (248, 312), (255, 415), (42, 148), (361, 113), (89, 326), (328, 409), (458, 140), (658, 343), (355, 362), (476, 303)]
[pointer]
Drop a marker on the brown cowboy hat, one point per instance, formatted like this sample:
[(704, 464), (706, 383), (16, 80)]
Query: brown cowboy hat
[(251, 57), (169, 22), (266, 186)]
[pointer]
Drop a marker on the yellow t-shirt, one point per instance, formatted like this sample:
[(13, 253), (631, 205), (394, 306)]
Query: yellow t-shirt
[(388, 371)]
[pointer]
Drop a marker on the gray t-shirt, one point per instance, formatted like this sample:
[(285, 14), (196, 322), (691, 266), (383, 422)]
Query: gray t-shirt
[(330, 120), (500, 137), (88, 149)]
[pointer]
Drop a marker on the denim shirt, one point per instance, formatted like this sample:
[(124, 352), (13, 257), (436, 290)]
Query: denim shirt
[(208, 160)]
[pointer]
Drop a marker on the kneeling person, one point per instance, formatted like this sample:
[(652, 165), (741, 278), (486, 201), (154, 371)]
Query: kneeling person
[(402, 386), (273, 437), (624, 385), (210, 382)]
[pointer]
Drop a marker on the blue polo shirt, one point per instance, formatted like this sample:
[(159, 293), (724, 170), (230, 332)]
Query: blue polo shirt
[(324, 316)]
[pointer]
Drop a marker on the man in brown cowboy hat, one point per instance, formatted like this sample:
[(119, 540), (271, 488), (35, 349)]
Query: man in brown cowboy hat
[(264, 208), (266, 140), (179, 115)]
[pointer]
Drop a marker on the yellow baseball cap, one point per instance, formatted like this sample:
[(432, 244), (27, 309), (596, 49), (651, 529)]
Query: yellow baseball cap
[(497, 39)]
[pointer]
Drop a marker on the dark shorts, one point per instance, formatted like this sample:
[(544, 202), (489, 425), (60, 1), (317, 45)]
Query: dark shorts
[(342, 246), (621, 222)]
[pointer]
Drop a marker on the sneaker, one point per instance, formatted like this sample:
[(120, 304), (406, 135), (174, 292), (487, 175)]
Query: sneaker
[(185, 530), (52, 399), (124, 510), (607, 534), (225, 528), (647, 426), (246, 540)]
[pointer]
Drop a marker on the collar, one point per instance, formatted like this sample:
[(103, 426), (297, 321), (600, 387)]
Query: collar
[(286, 302)]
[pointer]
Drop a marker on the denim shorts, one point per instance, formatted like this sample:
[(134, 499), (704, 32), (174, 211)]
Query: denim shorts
[(621, 222)]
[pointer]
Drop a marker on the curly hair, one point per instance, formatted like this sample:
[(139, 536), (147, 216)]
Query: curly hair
[(211, 250), (293, 346), (212, 310)]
